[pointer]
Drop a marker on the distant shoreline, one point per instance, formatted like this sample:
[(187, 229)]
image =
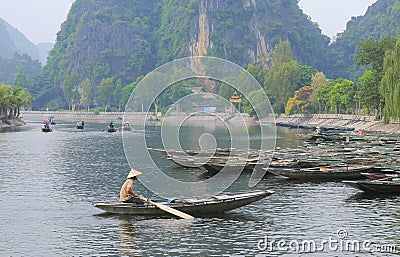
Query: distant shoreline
[(70, 116), (336, 121), (11, 123)]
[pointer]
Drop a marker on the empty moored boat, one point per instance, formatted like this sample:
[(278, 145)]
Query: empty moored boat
[(388, 186), (330, 173)]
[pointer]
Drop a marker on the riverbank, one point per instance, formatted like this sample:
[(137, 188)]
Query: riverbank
[(11, 123), (338, 121), (333, 121)]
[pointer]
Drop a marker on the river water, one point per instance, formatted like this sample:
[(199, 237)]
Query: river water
[(49, 180)]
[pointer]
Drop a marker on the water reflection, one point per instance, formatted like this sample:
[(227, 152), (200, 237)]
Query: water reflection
[(128, 236), (365, 196)]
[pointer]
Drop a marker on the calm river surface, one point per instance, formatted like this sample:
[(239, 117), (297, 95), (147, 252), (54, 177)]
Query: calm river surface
[(49, 180)]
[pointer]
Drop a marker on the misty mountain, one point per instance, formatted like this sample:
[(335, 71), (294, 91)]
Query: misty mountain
[(13, 41), (44, 50), (381, 19)]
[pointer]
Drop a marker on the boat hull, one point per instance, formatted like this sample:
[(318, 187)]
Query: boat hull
[(387, 187), (319, 175), (219, 204)]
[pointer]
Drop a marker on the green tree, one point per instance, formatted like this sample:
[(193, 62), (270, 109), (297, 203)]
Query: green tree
[(341, 96), (71, 90), (86, 96), (306, 75), (19, 97), (323, 99), (21, 80), (302, 101), (390, 84), (258, 104), (126, 93), (226, 91), (105, 92), (173, 93), (371, 54), (257, 72), (5, 93), (12, 99), (117, 94), (284, 76), (317, 81), (368, 92)]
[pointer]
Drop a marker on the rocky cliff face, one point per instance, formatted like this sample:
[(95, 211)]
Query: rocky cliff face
[(200, 42)]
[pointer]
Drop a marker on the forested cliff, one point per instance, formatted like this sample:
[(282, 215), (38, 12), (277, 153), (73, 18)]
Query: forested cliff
[(124, 39), (112, 43), (381, 19)]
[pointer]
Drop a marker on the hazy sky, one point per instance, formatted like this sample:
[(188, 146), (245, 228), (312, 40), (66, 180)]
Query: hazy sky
[(40, 20), (332, 15)]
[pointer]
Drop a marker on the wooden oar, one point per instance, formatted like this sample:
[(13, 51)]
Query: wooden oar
[(167, 208)]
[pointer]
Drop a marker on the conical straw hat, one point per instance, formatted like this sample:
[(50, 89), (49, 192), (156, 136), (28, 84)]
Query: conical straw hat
[(133, 173)]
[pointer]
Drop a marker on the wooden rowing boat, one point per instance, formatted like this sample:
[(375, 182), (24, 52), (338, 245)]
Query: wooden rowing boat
[(47, 130), (195, 207), (331, 173), (390, 186)]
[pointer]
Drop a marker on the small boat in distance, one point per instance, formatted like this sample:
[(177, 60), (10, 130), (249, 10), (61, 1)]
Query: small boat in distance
[(80, 124), (195, 207), (126, 126), (47, 129), (111, 127), (46, 126), (51, 120)]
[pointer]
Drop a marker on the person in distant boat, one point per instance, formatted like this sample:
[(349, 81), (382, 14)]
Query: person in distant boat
[(318, 131), (127, 195), (46, 125), (360, 133), (126, 124), (111, 125)]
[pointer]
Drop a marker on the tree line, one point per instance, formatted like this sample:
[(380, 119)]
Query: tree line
[(12, 99), (376, 93)]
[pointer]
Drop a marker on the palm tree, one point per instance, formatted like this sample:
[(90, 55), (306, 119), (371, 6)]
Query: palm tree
[(19, 98), (5, 92), (24, 98), (12, 99)]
